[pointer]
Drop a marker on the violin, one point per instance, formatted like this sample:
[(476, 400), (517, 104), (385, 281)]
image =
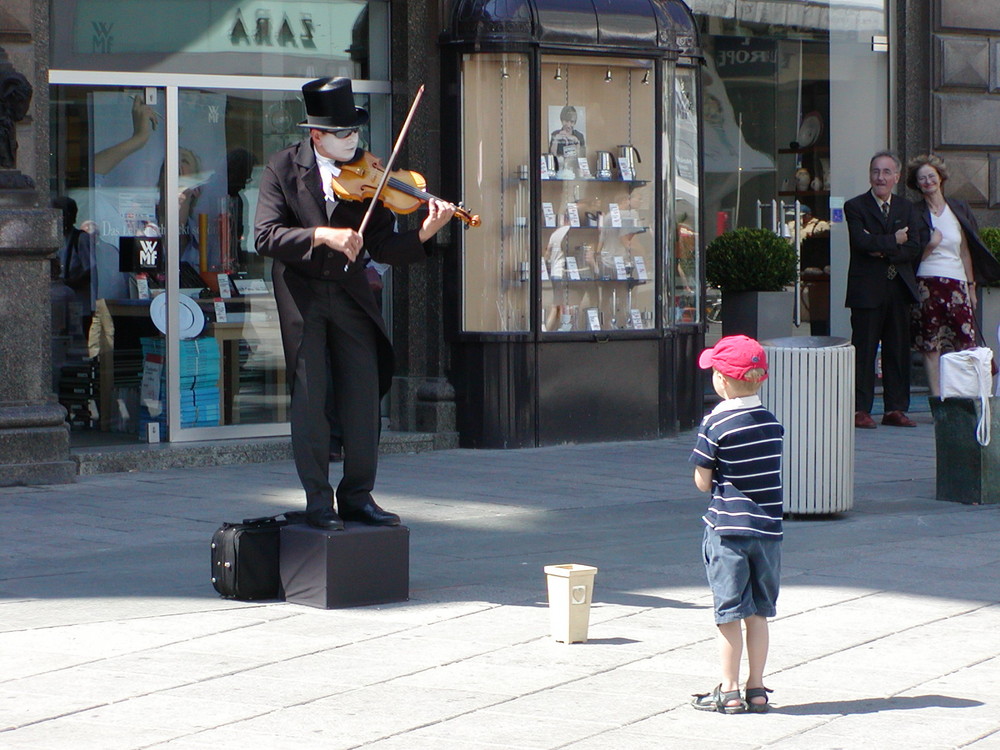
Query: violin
[(404, 191)]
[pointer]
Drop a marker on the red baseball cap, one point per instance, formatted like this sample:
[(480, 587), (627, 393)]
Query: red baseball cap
[(735, 356)]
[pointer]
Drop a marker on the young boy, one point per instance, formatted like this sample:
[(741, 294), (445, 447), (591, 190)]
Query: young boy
[(738, 458)]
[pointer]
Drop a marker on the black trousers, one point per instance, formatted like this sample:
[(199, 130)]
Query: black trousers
[(889, 323), (339, 343)]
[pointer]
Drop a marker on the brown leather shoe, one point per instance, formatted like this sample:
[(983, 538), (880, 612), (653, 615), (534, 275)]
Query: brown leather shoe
[(864, 420), (898, 419)]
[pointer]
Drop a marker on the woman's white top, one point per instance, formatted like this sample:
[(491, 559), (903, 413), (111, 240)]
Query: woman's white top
[(945, 260)]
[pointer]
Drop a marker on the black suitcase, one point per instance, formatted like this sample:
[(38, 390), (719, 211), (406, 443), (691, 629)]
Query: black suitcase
[(245, 557)]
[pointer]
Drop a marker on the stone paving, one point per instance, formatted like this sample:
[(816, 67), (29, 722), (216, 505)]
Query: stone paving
[(111, 636)]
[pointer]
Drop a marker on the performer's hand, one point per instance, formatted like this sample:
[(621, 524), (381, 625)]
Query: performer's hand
[(902, 235), (345, 241), (439, 213)]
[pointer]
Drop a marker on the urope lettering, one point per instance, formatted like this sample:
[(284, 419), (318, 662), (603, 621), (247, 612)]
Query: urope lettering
[(728, 57)]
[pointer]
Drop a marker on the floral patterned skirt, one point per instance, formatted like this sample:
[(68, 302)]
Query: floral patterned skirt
[(943, 321)]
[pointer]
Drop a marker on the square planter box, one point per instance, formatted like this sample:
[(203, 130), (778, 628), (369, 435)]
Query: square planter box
[(760, 315)]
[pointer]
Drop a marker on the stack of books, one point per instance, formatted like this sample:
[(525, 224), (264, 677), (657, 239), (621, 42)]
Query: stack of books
[(199, 391)]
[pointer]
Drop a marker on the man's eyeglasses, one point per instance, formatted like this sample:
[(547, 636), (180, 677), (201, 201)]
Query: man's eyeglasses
[(343, 132)]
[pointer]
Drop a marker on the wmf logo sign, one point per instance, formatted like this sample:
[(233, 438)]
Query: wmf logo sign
[(102, 41), (148, 253)]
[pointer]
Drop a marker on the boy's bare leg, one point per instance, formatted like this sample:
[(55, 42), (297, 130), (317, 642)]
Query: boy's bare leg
[(757, 644), (730, 653)]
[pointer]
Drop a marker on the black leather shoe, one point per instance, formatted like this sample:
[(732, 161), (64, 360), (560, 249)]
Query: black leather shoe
[(371, 514), (325, 519)]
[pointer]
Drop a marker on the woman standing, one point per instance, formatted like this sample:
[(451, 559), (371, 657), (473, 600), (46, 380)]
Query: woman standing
[(952, 264)]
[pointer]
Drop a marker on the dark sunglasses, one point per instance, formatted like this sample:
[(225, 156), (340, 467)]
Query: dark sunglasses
[(343, 132)]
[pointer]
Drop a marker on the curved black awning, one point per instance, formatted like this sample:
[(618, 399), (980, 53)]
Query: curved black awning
[(646, 26)]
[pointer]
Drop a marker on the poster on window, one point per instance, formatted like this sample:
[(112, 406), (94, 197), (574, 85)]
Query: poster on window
[(128, 162), (567, 125)]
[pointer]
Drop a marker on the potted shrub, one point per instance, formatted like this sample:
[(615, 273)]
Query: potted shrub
[(990, 298), (752, 268)]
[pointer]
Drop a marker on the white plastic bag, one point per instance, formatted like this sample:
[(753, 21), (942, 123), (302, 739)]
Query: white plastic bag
[(967, 374)]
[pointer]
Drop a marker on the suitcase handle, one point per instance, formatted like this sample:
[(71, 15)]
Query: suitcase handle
[(289, 516)]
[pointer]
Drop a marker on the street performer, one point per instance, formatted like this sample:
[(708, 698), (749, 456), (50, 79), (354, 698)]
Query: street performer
[(331, 327)]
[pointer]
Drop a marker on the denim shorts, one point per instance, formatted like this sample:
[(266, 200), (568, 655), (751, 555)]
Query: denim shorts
[(743, 573)]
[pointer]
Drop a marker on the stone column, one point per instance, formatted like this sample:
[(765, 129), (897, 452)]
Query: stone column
[(418, 332), (34, 436)]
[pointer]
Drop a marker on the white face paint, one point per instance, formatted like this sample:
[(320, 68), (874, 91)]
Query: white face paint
[(338, 149)]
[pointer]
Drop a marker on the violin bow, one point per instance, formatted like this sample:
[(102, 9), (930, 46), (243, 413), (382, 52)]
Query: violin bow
[(392, 158)]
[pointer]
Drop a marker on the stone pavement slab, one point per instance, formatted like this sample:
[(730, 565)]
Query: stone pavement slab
[(111, 635)]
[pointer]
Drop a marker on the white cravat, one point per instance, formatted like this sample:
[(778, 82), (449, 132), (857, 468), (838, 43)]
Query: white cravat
[(328, 169)]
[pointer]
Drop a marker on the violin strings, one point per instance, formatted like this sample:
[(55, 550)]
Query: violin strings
[(409, 189), (416, 192)]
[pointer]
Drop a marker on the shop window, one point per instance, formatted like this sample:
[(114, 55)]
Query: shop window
[(110, 165), (686, 301), (596, 225), (497, 255)]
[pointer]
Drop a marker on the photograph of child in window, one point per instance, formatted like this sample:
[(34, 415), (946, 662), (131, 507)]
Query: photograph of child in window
[(567, 137)]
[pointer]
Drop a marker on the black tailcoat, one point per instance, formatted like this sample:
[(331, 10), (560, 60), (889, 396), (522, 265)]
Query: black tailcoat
[(291, 204)]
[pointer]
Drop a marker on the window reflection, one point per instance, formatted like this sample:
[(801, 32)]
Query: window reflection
[(110, 166)]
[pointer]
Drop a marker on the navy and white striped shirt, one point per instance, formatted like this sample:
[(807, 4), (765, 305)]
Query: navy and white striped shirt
[(740, 441)]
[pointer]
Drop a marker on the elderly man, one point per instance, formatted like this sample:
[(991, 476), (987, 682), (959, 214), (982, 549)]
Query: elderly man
[(881, 287)]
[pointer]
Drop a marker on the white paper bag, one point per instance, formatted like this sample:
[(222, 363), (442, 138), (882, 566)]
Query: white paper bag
[(967, 374)]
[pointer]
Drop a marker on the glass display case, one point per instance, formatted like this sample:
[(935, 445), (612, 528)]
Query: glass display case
[(496, 256), (687, 292), (593, 211), (597, 198), (579, 150)]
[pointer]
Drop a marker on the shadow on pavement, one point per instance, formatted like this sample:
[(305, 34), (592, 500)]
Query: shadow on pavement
[(875, 705)]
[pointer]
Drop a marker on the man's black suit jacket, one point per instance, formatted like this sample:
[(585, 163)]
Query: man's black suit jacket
[(290, 205), (870, 232)]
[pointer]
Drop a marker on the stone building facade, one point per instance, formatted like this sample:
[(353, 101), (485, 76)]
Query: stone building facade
[(948, 88)]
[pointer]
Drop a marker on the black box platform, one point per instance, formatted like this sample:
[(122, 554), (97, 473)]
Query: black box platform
[(350, 568)]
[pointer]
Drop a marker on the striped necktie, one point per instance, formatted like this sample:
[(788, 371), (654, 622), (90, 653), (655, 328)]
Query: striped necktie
[(891, 271)]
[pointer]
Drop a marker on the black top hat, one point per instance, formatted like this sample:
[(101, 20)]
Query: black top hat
[(330, 105)]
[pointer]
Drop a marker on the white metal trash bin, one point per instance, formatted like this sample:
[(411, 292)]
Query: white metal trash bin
[(810, 389)]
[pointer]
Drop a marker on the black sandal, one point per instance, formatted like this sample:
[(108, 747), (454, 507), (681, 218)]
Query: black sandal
[(719, 701), (757, 708)]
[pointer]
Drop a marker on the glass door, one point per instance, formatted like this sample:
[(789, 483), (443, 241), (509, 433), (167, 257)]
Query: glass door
[(232, 371), (109, 150), (176, 327)]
